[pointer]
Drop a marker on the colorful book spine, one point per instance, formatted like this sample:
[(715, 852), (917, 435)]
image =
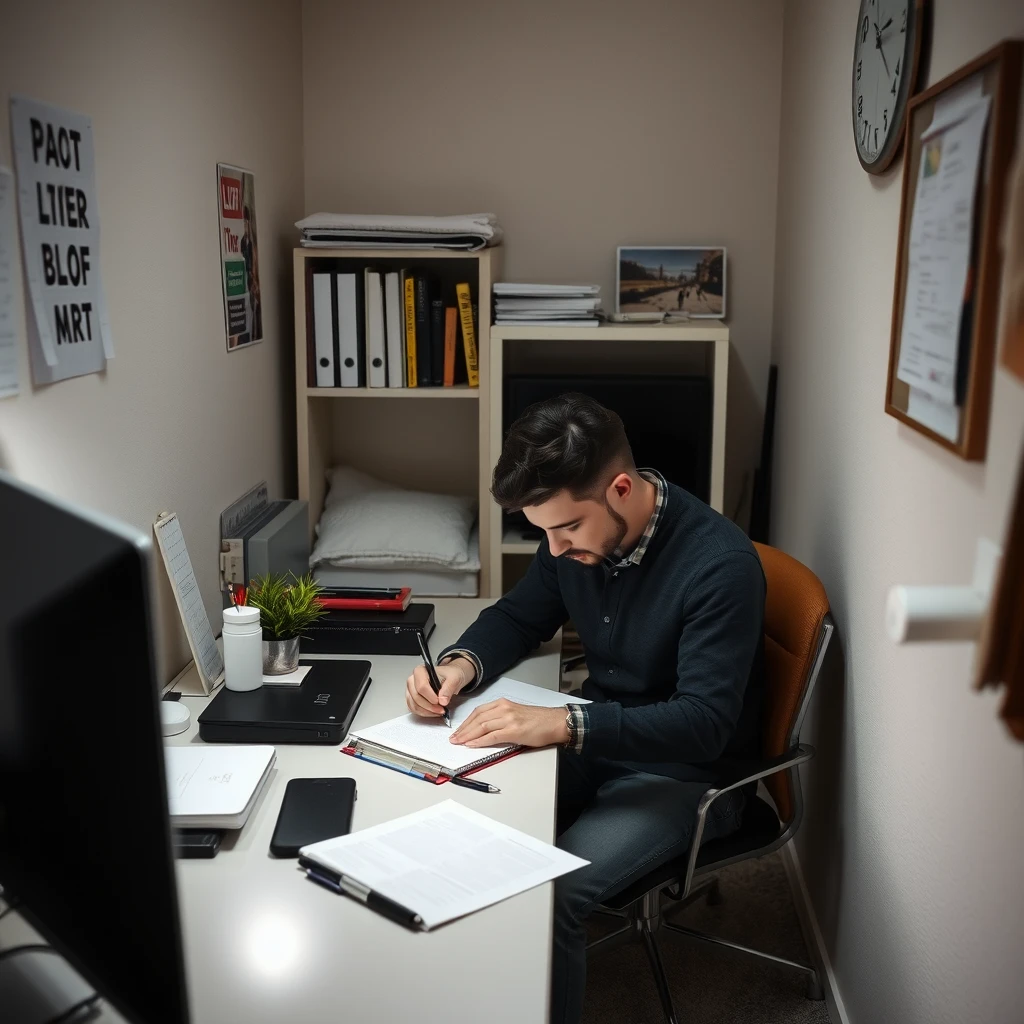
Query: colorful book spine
[(410, 331), (468, 333)]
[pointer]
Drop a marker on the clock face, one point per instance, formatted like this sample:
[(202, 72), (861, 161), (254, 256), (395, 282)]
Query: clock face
[(884, 67)]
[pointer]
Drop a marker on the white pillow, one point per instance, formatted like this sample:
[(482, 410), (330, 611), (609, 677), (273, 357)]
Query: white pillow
[(367, 523)]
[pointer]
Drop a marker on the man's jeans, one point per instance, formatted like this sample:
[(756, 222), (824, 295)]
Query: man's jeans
[(626, 823)]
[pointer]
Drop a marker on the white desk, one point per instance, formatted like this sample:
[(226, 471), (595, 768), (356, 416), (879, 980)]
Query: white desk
[(265, 946), (262, 944)]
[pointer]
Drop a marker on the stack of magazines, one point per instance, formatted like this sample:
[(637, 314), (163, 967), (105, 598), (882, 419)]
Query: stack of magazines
[(469, 231), (564, 305)]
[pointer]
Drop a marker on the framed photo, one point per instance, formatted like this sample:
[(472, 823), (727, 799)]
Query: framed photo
[(670, 279), (960, 138)]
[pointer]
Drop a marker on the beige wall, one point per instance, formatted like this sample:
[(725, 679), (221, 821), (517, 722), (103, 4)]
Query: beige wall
[(583, 125), (174, 422), (916, 818)]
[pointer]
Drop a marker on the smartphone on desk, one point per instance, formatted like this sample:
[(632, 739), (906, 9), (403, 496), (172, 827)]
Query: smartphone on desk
[(312, 809)]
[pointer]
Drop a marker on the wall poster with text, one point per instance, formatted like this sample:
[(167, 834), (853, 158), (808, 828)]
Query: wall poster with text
[(239, 253)]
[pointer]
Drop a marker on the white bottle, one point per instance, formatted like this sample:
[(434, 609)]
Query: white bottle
[(243, 648)]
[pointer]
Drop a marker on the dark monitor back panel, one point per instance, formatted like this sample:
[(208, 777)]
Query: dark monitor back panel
[(667, 418), (84, 831)]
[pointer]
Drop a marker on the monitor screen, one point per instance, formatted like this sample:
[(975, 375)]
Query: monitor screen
[(84, 830)]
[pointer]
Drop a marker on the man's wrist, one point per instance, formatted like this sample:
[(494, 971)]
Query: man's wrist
[(464, 665), (561, 734)]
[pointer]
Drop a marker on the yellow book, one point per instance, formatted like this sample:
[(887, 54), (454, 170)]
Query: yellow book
[(410, 331), (468, 334)]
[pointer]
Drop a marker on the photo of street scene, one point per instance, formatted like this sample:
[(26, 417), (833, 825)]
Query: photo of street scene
[(667, 280)]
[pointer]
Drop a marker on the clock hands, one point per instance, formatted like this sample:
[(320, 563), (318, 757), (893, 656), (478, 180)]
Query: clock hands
[(878, 43)]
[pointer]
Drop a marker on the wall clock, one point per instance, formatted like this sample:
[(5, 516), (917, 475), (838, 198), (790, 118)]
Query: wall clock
[(886, 59)]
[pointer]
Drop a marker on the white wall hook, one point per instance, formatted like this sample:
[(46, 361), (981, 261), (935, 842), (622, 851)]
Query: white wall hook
[(944, 613)]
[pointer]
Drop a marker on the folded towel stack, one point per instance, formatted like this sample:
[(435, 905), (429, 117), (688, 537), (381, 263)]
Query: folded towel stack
[(469, 231)]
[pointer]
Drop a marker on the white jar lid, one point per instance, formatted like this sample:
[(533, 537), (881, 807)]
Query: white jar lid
[(241, 615)]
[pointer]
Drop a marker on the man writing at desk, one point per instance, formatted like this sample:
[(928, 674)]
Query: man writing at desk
[(668, 599)]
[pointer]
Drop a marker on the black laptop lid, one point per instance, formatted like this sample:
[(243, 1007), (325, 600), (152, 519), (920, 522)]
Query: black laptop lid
[(328, 696)]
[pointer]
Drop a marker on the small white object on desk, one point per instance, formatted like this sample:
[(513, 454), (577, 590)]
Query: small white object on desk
[(288, 678), (243, 648), (174, 717)]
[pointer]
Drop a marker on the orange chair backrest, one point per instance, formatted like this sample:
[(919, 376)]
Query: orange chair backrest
[(794, 612)]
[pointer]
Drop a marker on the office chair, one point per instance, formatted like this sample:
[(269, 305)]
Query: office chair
[(797, 628)]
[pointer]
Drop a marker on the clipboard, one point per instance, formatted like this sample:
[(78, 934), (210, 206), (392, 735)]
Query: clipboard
[(207, 667)]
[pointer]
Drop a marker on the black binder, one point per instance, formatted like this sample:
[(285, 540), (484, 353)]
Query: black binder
[(352, 632)]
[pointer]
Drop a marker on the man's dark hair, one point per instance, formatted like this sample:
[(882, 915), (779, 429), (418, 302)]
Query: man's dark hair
[(566, 443)]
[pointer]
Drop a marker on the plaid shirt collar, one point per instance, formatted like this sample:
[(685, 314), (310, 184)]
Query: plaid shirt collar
[(637, 554)]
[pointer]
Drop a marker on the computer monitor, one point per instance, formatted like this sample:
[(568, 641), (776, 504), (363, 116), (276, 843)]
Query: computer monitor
[(84, 831)]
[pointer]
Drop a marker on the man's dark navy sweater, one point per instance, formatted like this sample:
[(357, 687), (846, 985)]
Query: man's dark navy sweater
[(674, 644)]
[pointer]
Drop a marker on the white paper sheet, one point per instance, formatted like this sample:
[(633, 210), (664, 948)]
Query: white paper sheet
[(428, 740), (288, 678), (445, 861), (935, 415), (939, 249), (68, 325), (204, 647), (8, 321)]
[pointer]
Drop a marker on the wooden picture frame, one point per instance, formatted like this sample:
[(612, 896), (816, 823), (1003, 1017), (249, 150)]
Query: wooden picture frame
[(998, 74)]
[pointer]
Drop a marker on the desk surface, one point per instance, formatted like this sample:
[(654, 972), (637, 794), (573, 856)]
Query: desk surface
[(262, 944)]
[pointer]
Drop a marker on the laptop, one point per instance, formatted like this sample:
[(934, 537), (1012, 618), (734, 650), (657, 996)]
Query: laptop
[(319, 710)]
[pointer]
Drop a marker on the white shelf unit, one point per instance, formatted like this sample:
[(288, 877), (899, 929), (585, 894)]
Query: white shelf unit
[(431, 439), (708, 340)]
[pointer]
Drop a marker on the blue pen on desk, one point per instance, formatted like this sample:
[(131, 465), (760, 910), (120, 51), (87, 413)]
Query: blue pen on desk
[(385, 764)]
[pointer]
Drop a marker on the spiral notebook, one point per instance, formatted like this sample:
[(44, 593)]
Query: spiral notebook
[(423, 745)]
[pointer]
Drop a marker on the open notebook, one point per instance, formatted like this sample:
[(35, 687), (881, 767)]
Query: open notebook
[(423, 745)]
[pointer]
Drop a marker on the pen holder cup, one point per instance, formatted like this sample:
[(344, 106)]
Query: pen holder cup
[(280, 656)]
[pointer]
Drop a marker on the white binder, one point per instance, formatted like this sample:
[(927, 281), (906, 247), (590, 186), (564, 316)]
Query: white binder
[(323, 330), (376, 364), (348, 331), (394, 320)]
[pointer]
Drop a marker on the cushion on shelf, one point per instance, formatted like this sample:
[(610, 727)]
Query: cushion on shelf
[(367, 523)]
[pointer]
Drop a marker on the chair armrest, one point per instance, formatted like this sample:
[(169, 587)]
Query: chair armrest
[(743, 772), (741, 775)]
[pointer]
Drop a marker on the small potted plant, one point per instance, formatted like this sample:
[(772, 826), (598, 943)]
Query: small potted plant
[(288, 605)]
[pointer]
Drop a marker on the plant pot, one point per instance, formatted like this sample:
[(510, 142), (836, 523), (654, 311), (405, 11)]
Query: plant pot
[(280, 656)]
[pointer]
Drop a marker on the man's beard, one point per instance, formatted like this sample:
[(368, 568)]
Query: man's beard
[(610, 546)]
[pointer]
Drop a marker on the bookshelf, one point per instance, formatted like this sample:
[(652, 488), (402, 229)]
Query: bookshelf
[(449, 439), (423, 438), (698, 346)]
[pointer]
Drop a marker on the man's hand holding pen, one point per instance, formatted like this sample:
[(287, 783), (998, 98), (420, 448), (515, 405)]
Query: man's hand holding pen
[(420, 698)]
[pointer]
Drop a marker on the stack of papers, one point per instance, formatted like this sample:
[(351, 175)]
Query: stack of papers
[(437, 864), (564, 305), (469, 231), (215, 787)]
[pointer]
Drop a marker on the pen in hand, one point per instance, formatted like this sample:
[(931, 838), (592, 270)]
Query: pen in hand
[(435, 683)]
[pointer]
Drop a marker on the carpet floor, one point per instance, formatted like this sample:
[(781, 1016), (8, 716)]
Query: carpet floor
[(711, 985)]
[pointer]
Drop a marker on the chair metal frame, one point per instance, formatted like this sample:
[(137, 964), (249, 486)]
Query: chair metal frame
[(647, 914)]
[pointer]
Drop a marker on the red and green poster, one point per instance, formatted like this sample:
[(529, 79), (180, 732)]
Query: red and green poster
[(239, 252)]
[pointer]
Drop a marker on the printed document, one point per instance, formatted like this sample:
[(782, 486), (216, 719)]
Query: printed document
[(940, 249), (444, 862)]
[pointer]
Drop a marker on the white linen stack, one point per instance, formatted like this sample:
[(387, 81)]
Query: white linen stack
[(469, 231), (562, 305)]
